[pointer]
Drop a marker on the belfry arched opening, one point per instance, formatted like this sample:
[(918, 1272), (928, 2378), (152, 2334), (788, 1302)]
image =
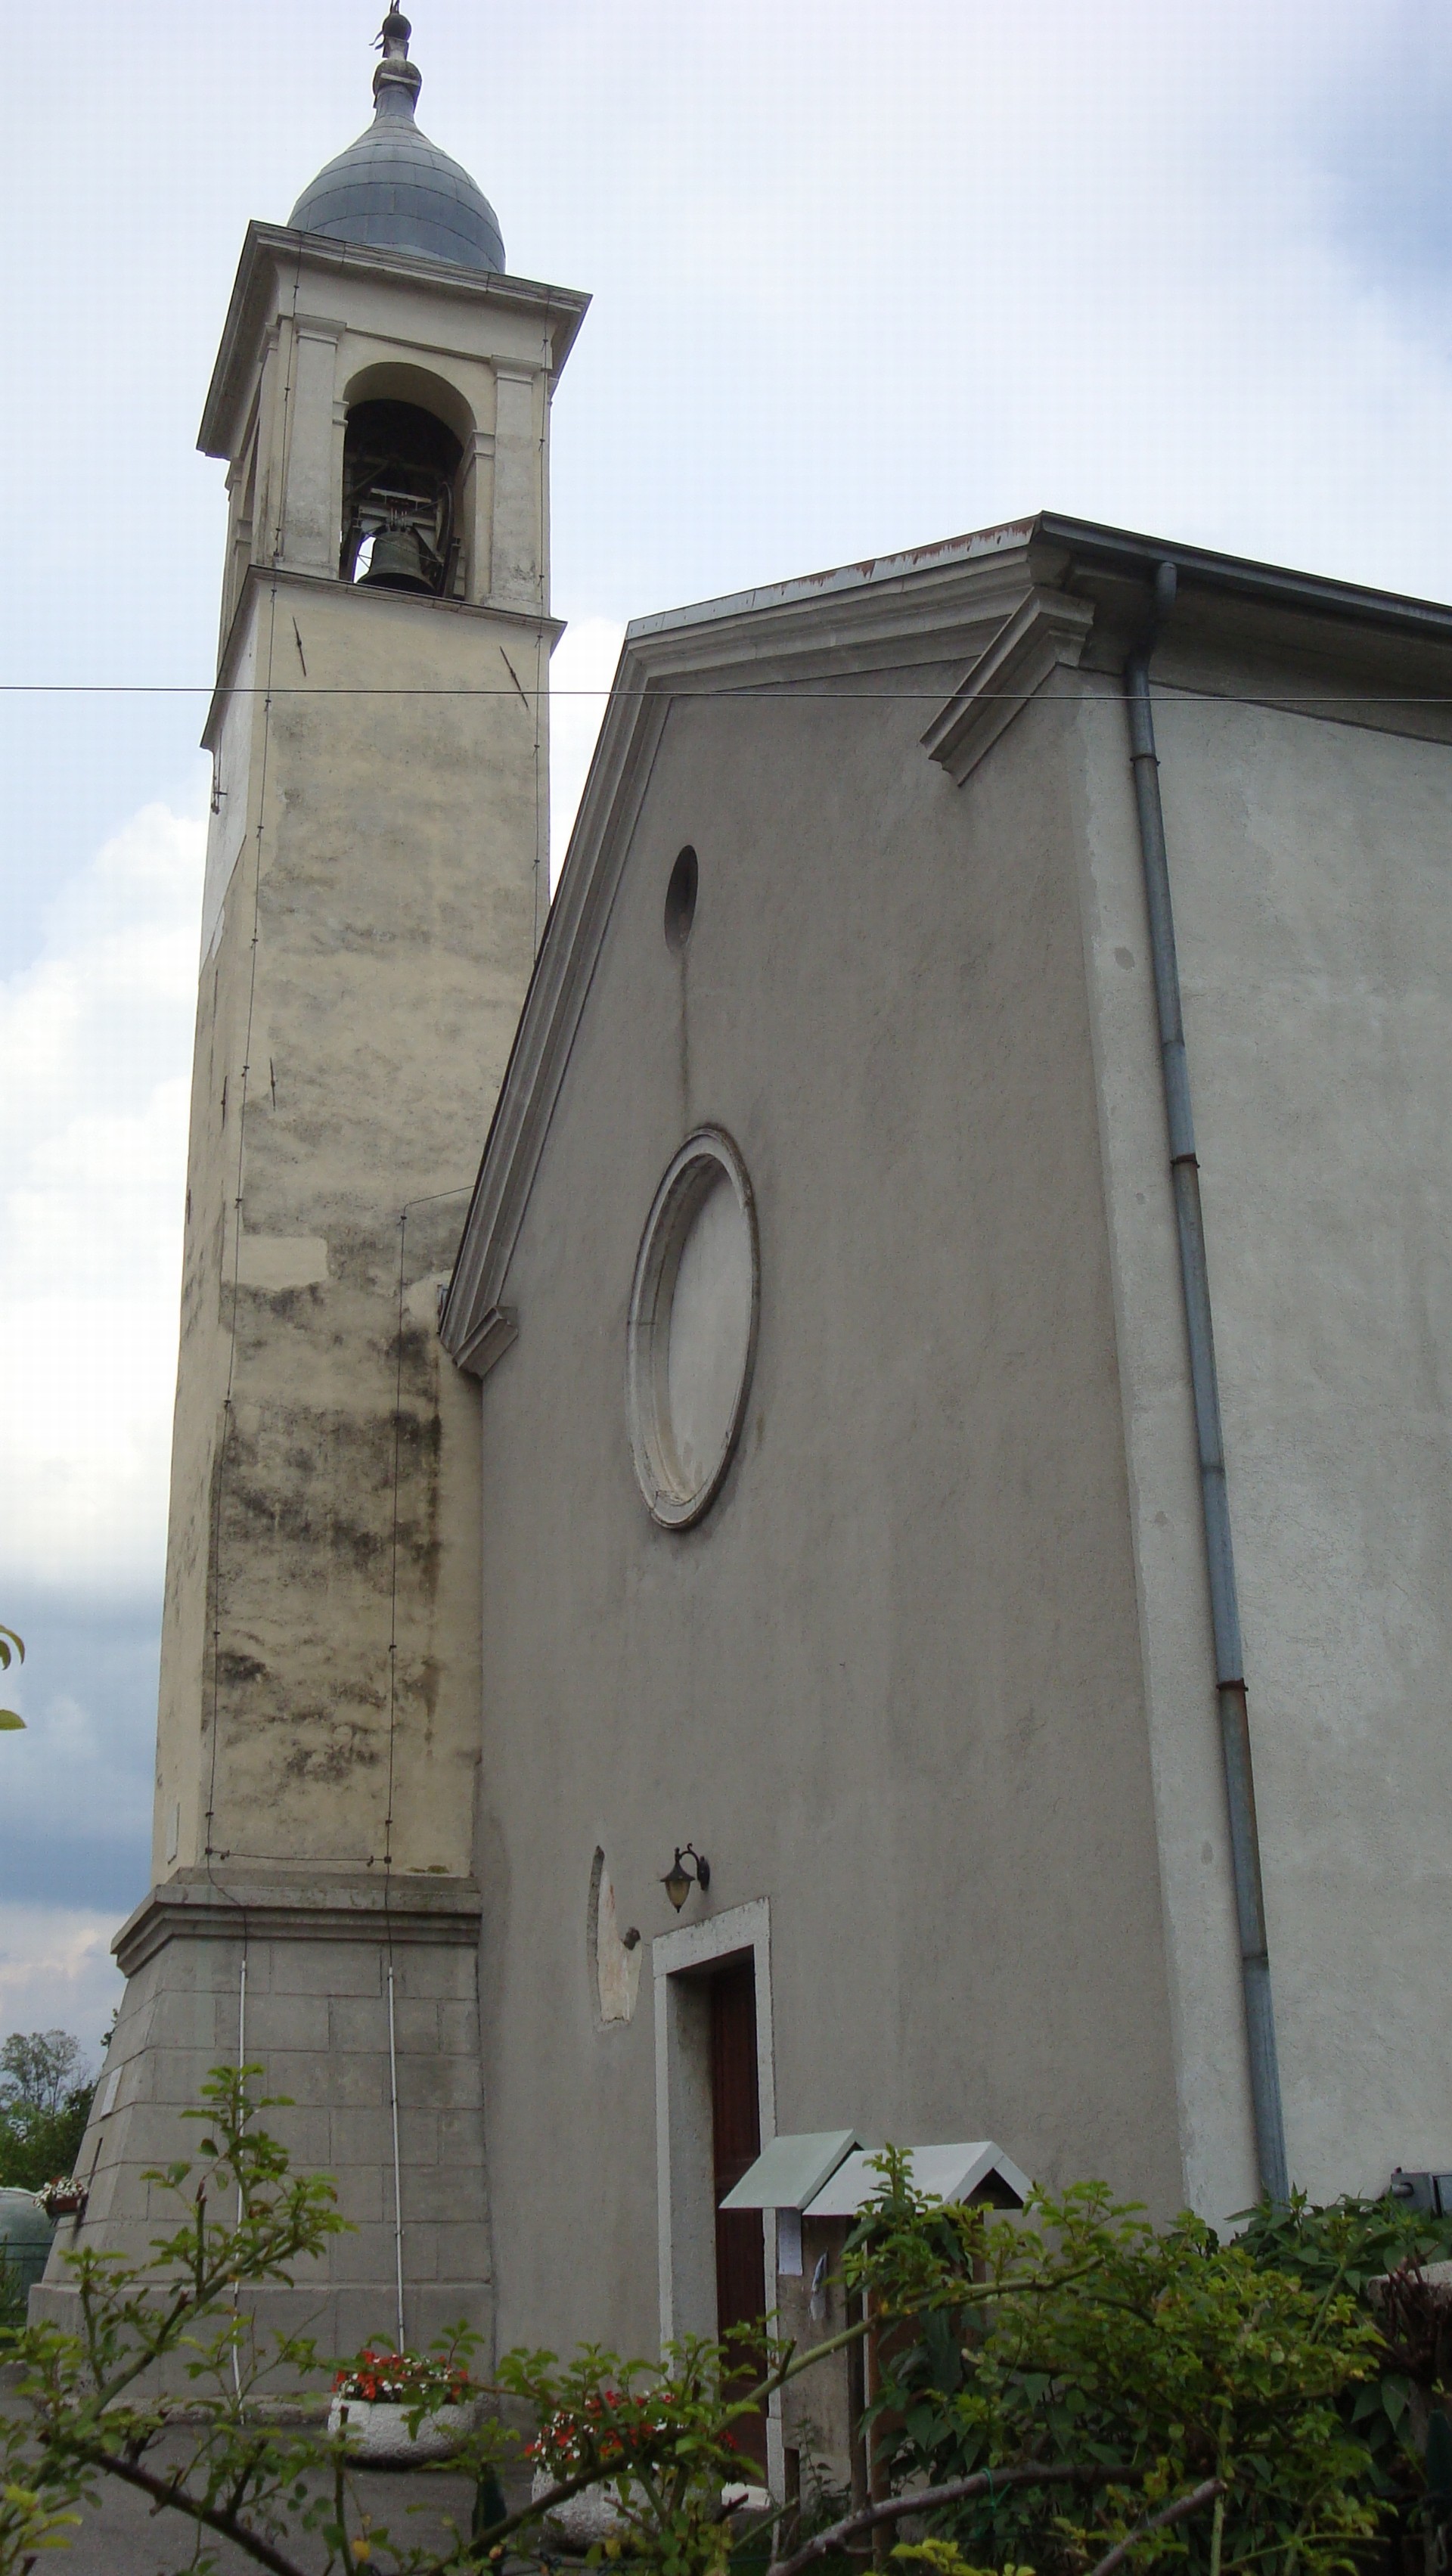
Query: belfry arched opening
[(400, 477)]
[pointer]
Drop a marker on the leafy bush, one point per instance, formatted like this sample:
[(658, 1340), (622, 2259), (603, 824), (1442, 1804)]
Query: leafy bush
[(1082, 2335), (88, 2408), (1355, 2245), (1053, 2395)]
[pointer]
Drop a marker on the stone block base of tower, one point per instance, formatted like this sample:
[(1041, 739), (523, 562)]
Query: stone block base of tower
[(357, 1996)]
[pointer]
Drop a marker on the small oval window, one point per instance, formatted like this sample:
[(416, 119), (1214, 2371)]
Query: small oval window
[(680, 902)]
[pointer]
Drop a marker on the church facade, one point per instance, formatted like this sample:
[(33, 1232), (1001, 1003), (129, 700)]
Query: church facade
[(893, 1581), (1040, 1635)]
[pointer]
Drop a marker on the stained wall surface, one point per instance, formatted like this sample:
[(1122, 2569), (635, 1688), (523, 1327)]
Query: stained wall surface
[(1309, 862), (891, 1682), (394, 909), (318, 1735), (376, 885)]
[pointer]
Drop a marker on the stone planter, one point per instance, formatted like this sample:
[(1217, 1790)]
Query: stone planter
[(377, 2430), (743, 2501), (582, 2520), (594, 2515)]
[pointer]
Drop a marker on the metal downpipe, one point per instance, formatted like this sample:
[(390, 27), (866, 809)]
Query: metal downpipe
[(1265, 2082)]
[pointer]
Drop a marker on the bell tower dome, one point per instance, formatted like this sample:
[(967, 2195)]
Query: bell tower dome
[(395, 189), (376, 887)]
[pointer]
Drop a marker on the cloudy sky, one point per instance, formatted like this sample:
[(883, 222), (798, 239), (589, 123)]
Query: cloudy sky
[(864, 275)]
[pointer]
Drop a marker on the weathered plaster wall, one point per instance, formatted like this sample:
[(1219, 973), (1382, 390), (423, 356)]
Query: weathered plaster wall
[(892, 1681), (1309, 862), (388, 869), (366, 958), (1217, 2142)]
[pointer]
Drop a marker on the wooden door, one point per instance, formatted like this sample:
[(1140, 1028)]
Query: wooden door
[(736, 2143)]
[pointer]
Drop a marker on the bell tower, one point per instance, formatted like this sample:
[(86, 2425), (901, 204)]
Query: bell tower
[(376, 888)]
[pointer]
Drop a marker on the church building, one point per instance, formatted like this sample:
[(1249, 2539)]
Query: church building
[(884, 1571)]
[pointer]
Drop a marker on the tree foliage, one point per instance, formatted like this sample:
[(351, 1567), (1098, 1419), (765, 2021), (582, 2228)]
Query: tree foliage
[(12, 1650), (1082, 2334), (38, 2069), (94, 2401), (45, 2102)]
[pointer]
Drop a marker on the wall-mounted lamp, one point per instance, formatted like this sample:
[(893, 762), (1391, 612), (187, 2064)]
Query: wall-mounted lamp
[(677, 1880)]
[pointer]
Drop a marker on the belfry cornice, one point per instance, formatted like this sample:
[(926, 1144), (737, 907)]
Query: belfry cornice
[(277, 260)]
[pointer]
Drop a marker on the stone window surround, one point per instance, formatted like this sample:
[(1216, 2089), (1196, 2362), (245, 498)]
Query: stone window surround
[(708, 1149)]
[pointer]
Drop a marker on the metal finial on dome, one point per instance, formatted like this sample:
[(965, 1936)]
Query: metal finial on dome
[(397, 81), (393, 189)]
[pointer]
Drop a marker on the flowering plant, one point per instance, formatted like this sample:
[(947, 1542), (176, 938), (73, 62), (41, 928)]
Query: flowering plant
[(378, 2376), (598, 2431), (64, 2198)]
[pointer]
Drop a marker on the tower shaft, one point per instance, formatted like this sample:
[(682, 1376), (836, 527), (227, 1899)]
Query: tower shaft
[(376, 887)]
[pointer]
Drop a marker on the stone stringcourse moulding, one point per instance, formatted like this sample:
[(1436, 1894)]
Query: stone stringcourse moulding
[(357, 1905)]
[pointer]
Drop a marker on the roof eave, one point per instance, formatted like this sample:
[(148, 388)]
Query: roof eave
[(661, 656), (1120, 551), (1126, 553)]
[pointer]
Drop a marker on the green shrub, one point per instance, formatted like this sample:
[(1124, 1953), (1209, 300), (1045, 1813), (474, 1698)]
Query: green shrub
[(13, 2295), (1081, 2334), (1087, 2388)]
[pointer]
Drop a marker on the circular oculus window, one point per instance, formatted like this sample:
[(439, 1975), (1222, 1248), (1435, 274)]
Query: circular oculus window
[(692, 1332)]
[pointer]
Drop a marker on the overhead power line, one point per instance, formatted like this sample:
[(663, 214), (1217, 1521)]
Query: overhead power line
[(756, 689)]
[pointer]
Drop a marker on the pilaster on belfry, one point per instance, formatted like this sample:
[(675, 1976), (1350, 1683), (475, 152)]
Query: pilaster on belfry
[(375, 889)]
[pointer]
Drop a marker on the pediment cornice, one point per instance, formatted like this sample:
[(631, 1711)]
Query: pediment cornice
[(943, 604), (1007, 606), (277, 262)]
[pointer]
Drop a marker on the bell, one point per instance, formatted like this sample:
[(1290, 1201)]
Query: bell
[(396, 562)]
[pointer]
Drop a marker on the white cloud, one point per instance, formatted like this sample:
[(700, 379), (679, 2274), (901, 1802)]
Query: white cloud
[(867, 277), (75, 1819), (57, 1972), (95, 1039)]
